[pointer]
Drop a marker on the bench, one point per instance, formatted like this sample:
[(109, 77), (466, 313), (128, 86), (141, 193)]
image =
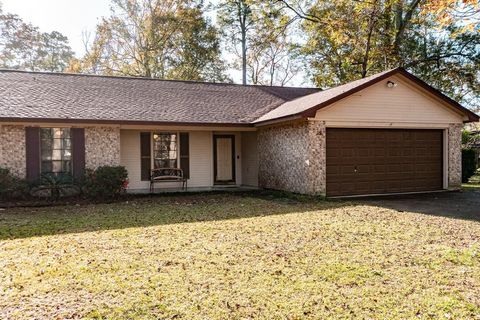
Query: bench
[(167, 175)]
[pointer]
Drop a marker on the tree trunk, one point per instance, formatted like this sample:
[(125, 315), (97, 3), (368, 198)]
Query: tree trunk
[(243, 12), (371, 26), (244, 55), (403, 20)]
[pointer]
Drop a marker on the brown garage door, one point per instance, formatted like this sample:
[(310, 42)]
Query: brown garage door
[(375, 161)]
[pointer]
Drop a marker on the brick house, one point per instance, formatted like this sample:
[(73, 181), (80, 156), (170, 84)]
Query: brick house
[(388, 133)]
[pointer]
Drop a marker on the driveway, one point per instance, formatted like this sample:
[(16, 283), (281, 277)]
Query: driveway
[(461, 204)]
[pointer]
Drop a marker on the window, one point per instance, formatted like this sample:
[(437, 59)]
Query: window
[(165, 150), (56, 150)]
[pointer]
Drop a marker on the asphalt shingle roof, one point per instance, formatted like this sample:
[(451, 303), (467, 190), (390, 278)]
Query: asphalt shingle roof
[(28, 95), (35, 96)]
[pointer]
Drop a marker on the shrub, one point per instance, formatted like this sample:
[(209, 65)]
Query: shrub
[(11, 187), (470, 139), (468, 164), (106, 182), (55, 185)]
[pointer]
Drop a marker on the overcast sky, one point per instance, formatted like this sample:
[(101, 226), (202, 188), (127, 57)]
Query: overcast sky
[(70, 17)]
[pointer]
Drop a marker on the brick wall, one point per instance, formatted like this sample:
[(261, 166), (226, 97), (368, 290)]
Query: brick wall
[(102, 147), (455, 156), (12, 149), (292, 157), (317, 135)]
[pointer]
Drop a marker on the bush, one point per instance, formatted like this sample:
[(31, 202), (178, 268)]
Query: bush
[(470, 139), (468, 164), (11, 187), (55, 185), (106, 182)]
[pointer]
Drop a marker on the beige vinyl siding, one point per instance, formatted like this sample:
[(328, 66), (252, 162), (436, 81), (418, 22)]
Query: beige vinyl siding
[(130, 158), (201, 159), (405, 103), (249, 159)]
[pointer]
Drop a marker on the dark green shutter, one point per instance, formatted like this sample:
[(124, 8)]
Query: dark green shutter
[(145, 155), (78, 157), (185, 154), (32, 148)]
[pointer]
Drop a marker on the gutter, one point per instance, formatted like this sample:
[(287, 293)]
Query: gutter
[(279, 120), (127, 122)]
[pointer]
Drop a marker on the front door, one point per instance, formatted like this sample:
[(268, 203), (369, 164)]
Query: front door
[(224, 155)]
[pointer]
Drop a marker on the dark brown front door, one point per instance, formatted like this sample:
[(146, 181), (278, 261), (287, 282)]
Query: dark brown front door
[(376, 161)]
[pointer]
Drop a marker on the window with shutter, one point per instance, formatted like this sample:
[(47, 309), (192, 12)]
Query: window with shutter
[(145, 155), (185, 154), (78, 149), (32, 146)]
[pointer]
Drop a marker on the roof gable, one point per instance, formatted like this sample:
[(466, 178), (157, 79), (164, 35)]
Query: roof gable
[(307, 106), (403, 103)]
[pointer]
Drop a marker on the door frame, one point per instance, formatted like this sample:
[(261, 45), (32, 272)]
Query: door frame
[(215, 169)]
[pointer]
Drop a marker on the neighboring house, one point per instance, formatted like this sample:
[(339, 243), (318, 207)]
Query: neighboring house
[(388, 133)]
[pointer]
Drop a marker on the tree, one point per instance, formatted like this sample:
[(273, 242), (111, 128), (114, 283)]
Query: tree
[(54, 54), (165, 39), (259, 36), (450, 62), (351, 39), (272, 58), (236, 20), (451, 11), (23, 46)]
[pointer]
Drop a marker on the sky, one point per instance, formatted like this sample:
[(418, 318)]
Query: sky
[(70, 17)]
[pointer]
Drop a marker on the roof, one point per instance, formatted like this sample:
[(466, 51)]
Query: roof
[(68, 97), (63, 97), (307, 106)]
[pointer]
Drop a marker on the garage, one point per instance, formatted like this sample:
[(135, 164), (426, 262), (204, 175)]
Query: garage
[(389, 133), (378, 161)]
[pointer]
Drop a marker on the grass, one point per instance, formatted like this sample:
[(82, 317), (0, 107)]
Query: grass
[(225, 256)]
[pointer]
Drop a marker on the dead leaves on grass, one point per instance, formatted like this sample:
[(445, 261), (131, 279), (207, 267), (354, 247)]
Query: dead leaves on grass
[(280, 260)]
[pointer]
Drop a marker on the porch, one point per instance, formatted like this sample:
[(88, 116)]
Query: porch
[(211, 160), (160, 190)]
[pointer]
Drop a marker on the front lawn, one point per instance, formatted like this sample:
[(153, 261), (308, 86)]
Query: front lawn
[(226, 256)]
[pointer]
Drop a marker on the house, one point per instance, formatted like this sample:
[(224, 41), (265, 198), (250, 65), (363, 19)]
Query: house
[(388, 133)]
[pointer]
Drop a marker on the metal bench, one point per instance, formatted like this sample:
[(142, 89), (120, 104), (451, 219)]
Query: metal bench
[(167, 175)]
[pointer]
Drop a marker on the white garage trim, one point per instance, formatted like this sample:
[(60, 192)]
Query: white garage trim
[(382, 124), (446, 173)]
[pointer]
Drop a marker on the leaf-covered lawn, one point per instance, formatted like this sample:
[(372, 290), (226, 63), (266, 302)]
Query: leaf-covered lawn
[(237, 257)]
